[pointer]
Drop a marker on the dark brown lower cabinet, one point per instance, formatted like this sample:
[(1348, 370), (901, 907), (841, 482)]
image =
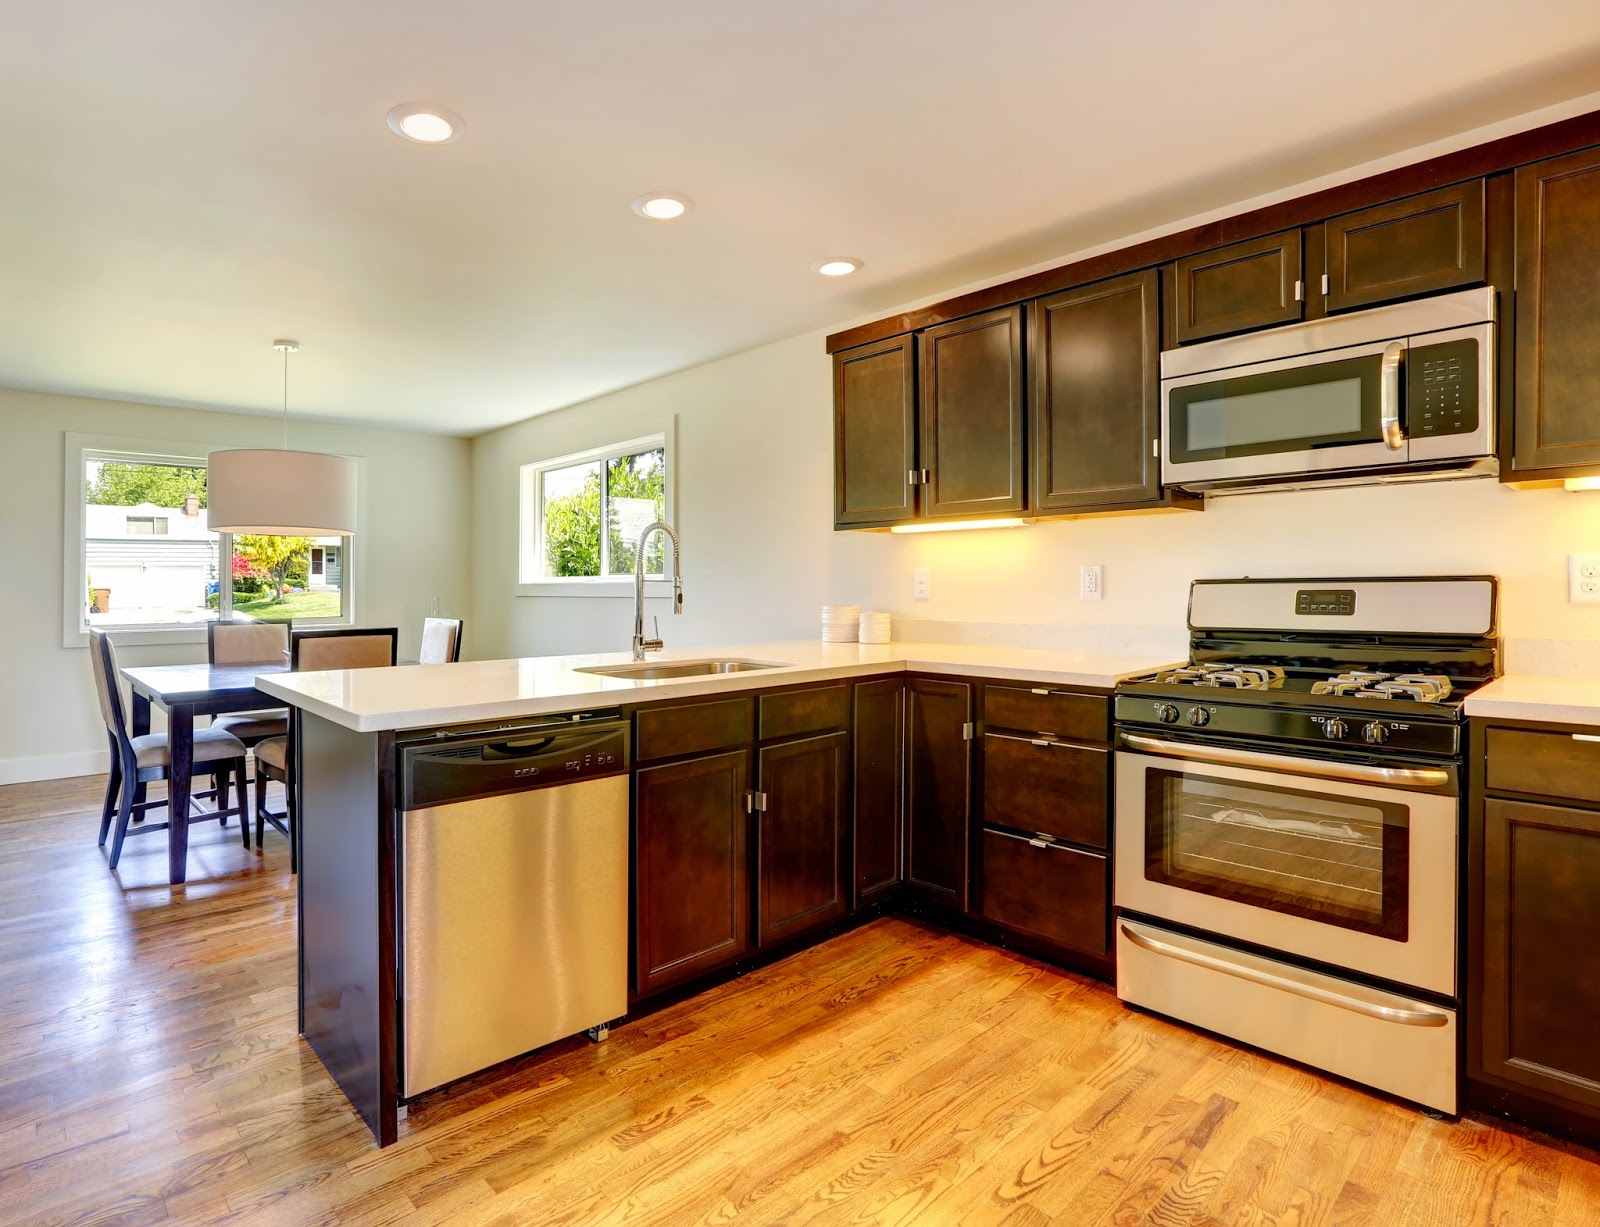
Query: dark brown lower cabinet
[(938, 788), (693, 885), (1047, 787), (800, 835), (1046, 890), (1538, 954), (879, 726)]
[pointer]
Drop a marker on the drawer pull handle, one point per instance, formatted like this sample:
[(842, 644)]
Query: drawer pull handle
[(1054, 742), (1037, 690), (1585, 737)]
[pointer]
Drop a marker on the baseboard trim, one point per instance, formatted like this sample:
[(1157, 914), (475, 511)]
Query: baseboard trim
[(52, 767)]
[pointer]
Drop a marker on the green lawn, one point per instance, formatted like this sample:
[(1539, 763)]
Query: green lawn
[(295, 605)]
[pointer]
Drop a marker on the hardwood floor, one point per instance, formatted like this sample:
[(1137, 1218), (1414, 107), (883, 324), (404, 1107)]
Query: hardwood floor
[(150, 1072)]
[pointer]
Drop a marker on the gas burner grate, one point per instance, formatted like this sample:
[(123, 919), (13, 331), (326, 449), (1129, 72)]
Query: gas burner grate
[(1225, 676), (1364, 684)]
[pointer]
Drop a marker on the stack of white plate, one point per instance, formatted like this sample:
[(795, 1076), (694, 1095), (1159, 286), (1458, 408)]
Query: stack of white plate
[(875, 626), (840, 623)]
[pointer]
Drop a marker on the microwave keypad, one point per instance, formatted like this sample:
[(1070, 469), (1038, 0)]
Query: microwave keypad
[(1442, 387)]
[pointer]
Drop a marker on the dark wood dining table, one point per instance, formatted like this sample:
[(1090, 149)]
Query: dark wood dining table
[(184, 692)]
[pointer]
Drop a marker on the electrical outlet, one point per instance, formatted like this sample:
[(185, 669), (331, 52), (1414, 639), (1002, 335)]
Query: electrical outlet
[(921, 586), (1583, 579), (433, 607), (1092, 583)]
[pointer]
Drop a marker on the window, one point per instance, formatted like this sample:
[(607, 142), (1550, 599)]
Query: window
[(148, 561), (582, 515)]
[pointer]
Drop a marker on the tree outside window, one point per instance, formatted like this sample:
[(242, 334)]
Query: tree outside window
[(591, 514)]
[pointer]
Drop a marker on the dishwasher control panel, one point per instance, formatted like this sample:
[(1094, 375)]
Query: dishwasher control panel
[(510, 760)]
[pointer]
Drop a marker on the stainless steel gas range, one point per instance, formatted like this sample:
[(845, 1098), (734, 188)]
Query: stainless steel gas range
[(1289, 817)]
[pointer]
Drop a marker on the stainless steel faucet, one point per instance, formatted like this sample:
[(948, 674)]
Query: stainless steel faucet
[(641, 645)]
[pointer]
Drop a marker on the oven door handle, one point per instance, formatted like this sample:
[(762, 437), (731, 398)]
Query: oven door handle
[(1355, 773), (1394, 435), (1175, 948)]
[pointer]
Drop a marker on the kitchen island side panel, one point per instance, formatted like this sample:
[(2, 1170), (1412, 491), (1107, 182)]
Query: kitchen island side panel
[(347, 914)]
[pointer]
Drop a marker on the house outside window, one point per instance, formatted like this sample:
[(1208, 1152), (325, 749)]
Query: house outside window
[(149, 563), (582, 514)]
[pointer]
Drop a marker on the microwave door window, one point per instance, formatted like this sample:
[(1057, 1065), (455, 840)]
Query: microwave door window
[(1300, 409)]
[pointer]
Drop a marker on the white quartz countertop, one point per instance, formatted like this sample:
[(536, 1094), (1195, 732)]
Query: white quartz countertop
[(1531, 696), (422, 696)]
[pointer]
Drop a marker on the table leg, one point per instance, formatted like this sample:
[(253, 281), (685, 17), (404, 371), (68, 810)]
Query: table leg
[(141, 715), (180, 735)]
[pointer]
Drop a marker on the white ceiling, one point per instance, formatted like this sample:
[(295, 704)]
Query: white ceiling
[(181, 181)]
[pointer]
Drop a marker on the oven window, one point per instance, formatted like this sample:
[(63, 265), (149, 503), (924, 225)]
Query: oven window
[(1300, 409), (1340, 860)]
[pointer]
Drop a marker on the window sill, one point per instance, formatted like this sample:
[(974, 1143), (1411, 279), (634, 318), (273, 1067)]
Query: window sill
[(614, 587), (152, 636)]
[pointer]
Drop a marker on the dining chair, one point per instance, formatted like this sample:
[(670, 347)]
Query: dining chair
[(441, 641), (136, 761), (250, 643), (344, 647)]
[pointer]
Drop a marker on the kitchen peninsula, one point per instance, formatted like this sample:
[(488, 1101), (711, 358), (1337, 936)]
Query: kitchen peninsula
[(781, 797)]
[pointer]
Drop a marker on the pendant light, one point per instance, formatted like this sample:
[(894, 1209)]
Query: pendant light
[(281, 493)]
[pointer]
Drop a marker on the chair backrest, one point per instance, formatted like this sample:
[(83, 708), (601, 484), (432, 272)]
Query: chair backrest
[(441, 641), (352, 647), (247, 643), (103, 656)]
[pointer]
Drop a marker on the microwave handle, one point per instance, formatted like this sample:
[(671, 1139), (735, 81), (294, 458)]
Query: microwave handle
[(1394, 435)]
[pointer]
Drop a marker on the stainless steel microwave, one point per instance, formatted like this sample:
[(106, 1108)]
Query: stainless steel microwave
[(1381, 395)]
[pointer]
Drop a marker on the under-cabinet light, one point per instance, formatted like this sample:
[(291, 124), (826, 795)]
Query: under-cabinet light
[(952, 526), (1575, 484)]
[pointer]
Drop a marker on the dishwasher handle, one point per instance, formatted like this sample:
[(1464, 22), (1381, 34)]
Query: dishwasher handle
[(501, 762)]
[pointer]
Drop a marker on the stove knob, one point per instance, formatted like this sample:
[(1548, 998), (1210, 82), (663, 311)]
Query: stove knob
[(1376, 734), (1199, 716), (1334, 729), (1166, 713)]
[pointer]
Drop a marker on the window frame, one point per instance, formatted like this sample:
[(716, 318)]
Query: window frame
[(79, 450), (531, 580)]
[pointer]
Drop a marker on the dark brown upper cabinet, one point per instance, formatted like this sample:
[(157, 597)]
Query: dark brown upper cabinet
[(876, 476), (1095, 413), (1419, 245), (801, 835), (1557, 408), (972, 395), (1253, 284)]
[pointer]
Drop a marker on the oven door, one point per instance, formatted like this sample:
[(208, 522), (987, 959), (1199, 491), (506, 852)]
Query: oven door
[(1315, 413), (1346, 863)]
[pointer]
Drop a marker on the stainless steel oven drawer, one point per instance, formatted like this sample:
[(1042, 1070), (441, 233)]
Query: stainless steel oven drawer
[(1380, 1039)]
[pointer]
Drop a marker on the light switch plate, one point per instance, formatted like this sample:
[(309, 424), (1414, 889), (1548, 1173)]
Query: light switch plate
[(1583, 579), (921, 585), (1092, 583)]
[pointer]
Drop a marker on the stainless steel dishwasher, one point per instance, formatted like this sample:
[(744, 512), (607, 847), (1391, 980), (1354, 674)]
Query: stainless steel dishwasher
[(513, 893)]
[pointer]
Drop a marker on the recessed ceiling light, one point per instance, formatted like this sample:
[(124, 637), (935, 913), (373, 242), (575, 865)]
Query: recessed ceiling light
[(661, 206), (425, 123), (836, 266)]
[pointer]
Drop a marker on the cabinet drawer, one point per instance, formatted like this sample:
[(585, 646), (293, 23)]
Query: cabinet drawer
[(1048, 787), (1543, 764), (804, 711), (665, 732), (1055, 893), (1058, 713)]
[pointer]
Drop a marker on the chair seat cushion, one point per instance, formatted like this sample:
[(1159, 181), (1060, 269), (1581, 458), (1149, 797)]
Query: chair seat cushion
[(274, 753), (254, 725), (152, 749)]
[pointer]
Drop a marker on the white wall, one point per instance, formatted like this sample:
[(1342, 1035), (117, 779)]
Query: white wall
[(413, 548), (754, 499)]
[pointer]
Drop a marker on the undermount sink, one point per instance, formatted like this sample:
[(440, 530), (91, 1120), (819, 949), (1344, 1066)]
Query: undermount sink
[(649, 670)]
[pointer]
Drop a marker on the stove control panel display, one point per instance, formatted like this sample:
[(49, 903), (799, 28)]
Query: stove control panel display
[(1340, 602)]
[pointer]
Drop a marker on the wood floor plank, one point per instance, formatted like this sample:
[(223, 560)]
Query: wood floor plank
[(150, 1073)]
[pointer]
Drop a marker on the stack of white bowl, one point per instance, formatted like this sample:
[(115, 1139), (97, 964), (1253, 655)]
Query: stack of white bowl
[(875, 626), (840, 623)]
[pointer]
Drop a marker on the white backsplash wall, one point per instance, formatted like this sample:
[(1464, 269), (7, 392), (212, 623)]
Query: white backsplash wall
[(754, 506)]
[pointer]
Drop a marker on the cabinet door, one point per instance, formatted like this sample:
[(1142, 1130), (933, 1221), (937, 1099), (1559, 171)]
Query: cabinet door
[(1246, 285), (938, 788), (972, 415), (1557, 415), (1540, 962), (879, 741), (801, 835), (693, 886), (1418, 245), (875, 477), (1095, 413)]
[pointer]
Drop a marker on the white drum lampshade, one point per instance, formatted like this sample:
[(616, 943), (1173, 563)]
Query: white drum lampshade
[(280, 493)]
